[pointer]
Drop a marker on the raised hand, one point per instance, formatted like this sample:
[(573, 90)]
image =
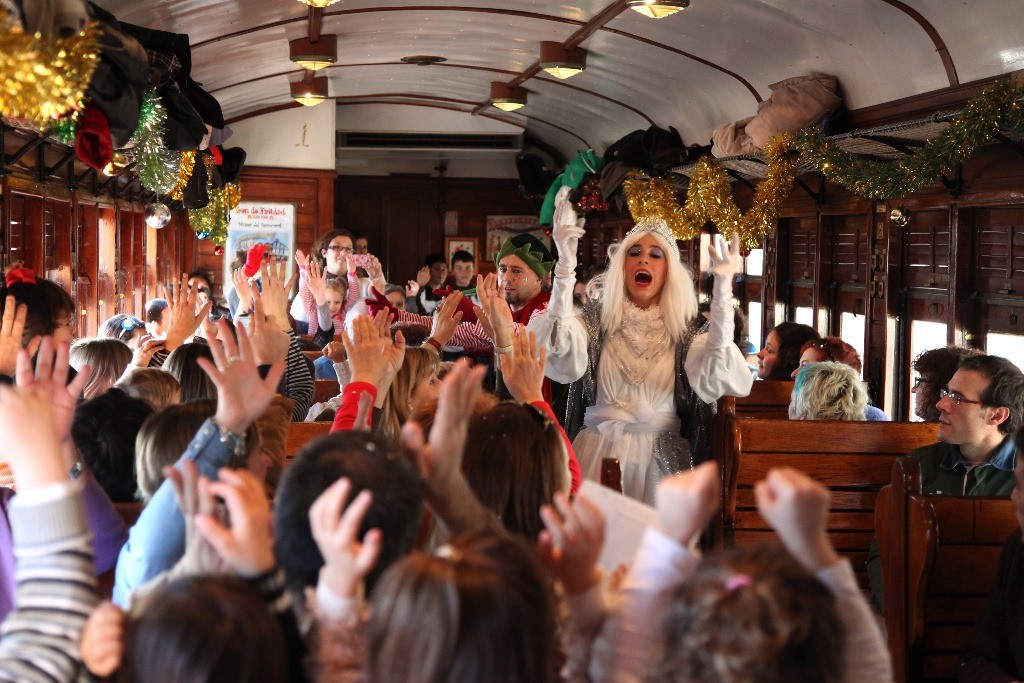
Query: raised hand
[(372, 356), (269, 342), (572, 542), (275, 292), (423, 276), (246, 545), (335, 528), (447, 317), (726, 261), (50, 378), (200, 556), (522, 371), (439, 459), (302, 259), (374, 268), (184, 312), (412, 288), (242, 395), (317, 283), (12, 329), (688, 502), (102, 643), (243, 288), (796, 506), (567, 229), (30, 445), (495, 309), (148, 345)]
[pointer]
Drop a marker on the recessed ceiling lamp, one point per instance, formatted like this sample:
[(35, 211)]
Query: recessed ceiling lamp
[(657, 9), (310, 91), (560, 62), (314, 56), (318, 3), (506, 97)]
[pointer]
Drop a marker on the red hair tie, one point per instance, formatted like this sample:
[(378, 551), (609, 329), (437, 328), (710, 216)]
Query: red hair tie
[(24, 275)]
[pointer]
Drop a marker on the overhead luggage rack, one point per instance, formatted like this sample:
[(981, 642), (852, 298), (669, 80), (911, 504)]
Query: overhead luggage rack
[(882, 142)]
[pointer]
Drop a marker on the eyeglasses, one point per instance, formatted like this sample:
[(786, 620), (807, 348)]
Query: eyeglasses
[(340, 249), (958, 398), (918, 381)]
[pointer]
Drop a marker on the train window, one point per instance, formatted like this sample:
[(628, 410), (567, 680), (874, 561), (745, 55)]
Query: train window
[(851, 331), (805, 315), (753, 264), (1010, 346), (924, 335), (754, 323)]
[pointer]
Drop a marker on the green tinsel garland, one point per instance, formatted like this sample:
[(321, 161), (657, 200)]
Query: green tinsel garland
[(157, 166), (994, 109), (211, 221), (65, 129)]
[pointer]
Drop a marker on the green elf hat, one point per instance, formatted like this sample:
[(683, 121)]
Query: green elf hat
[(531, 250)]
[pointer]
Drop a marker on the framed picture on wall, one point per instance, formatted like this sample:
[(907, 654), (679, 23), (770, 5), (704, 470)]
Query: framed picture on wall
[(268, 223), (500, 228), (454, 244)]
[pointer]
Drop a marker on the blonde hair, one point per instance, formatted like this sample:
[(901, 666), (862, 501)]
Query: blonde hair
[(156, 387), (338, 284), (419, 364), (828, 391), (678, 297), (108, 359)]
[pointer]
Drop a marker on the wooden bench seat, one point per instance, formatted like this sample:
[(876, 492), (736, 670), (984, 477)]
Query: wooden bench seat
[(940, 556), (325, 390), (854, 459), (301, 433)]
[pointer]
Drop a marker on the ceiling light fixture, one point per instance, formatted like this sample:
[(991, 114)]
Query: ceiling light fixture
[(658, 9), (314, 56), (561, 62), (507, 97), (318, 3), (310, 91)]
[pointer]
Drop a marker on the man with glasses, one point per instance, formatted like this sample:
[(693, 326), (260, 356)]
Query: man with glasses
[(980, 410)]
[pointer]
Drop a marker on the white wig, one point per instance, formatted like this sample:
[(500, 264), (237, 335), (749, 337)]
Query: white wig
[(678, 297), (828, 391)]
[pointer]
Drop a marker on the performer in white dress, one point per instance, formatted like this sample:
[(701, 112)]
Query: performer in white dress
[(646, 369)]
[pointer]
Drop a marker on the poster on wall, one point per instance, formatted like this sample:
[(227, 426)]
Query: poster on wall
[(268, 223), (500, 228)]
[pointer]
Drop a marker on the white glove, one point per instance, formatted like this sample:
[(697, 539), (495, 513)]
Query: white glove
[(567, 229), (725, 263)]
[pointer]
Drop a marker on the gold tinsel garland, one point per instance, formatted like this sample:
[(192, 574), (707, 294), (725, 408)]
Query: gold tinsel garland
[(211, 221), (996, 108), (44, 79), (188, 164), (709, 197)]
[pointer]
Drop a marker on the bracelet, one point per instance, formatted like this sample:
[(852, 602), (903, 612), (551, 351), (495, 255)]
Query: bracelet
[(225, 436), (503, 349), (432, 344)]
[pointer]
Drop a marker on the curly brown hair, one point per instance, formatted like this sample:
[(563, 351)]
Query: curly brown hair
[(935, 368), (752, 615)]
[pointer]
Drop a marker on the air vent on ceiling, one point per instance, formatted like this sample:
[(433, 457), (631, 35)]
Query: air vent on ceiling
[(429, 141)]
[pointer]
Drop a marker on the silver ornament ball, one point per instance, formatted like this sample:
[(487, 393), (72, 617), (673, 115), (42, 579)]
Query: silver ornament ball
[(157, 215)]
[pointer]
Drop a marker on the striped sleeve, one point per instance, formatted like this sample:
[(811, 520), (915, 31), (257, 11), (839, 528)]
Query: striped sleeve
[(297, 379), (56, 590)]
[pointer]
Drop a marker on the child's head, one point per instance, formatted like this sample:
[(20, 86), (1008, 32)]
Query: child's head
[(335, 291), (164, 436), (203, 628), (108, 359), (752, 615), (104, 430), (479, 609), (156, 387), (415, 383), (49, 309), (463, 268), (396, 295), (515, 461)]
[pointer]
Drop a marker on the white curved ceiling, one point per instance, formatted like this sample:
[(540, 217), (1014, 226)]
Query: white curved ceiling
[(707, 65)]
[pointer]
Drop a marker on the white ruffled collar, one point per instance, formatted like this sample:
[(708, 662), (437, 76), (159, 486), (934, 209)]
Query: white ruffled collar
[(641, 327)]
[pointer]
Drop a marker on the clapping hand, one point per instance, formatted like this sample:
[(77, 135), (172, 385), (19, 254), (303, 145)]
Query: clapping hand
[(244, 289), (412, 288), (687, 502), (447, 317), (148, 345), (31, 445), (335, 528), (335, 351), (200, 556), (269, 342), (726, 261), (796, 506), (302, 259), (50, 379), (102, 643), (423, 276), (567, 229), (372, 356)]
